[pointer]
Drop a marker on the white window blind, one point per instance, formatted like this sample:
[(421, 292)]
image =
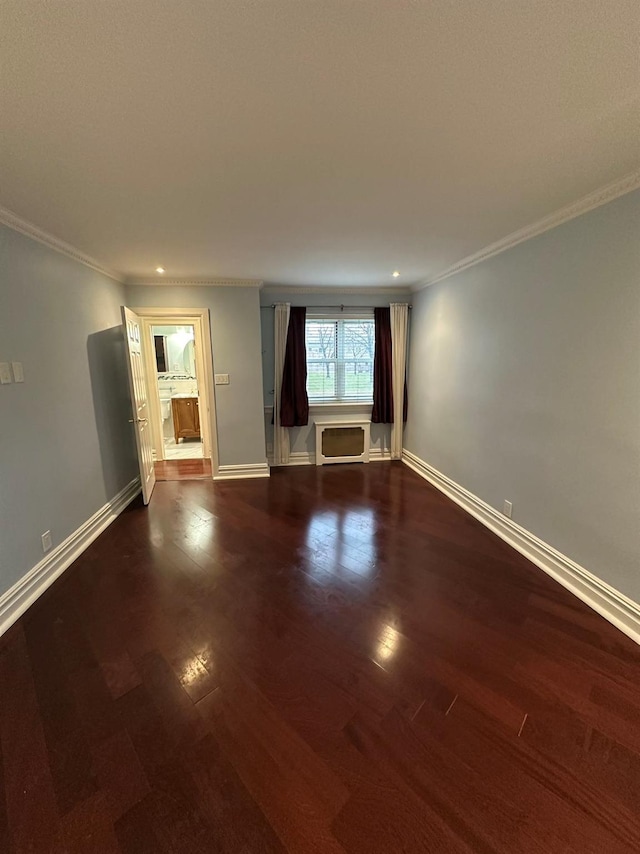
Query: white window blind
[(340, 353)]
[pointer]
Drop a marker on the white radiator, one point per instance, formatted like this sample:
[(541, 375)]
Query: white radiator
[(342, 442)]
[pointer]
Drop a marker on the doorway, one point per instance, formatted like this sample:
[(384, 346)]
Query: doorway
[(178, 436), (178, 365)]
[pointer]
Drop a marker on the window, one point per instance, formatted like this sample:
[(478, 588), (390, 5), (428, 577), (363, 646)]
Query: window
[(340, 359)]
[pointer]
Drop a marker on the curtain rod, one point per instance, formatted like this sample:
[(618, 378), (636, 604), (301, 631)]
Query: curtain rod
[(341, 307)]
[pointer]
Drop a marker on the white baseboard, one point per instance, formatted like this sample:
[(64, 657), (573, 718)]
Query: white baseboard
[(296, 458), (304, 458), (27, 589), (614, 606), (242, 471), (379, 455)]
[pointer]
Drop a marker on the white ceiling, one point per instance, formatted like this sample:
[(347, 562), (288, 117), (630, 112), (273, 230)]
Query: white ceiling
[(326, 142)]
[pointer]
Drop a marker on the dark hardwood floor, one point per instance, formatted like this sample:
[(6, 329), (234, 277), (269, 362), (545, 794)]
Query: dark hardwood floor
[(182, 469), (333, 660)]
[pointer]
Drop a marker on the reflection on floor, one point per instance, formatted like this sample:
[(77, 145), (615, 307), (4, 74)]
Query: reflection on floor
[(187, 449), (182, 469), (331, 659)]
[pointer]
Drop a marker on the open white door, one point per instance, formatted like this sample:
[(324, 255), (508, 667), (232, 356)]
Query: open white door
[(139, 401)]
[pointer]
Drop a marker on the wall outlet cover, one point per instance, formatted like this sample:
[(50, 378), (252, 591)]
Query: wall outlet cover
[(18, 372), (46, 541), (5, 373), (222, 379), (507, 509)]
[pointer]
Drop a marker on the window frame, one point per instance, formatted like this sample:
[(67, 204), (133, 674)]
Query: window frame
[(339, 361)]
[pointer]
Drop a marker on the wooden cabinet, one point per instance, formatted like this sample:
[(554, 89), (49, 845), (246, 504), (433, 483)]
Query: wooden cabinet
[(186, 418)]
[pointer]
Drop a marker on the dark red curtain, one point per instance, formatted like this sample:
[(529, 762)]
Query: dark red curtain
[(294, 402), (382, 412)]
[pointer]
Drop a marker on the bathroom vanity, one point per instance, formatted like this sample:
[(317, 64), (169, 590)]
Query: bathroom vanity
[(186, 417)]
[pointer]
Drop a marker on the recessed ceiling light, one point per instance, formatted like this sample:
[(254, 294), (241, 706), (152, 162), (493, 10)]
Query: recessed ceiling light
[(395, 274), (159, 269)]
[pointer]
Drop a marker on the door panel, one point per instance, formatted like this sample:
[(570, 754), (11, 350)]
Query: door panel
[(139, 401)]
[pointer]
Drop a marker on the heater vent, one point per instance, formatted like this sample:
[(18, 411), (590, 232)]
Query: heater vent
[(342, 442)]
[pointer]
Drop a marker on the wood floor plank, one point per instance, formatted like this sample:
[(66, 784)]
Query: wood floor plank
[(225, 801), (575, 817), (135, 830), (68, 749), (119, 774), (170, 809), (32, 813), (182, 469), (4, 819), (379, 819), (292, 785), (460, 794), (88, 828), (329, 660)]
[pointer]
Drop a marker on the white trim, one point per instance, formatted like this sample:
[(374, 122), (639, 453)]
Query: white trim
[(337, 313), (321, 426), (27, 589), (297, 458), (16, 223), (204, 363), (587, 203), (379, 455), (169, 311), (331, 290), (593, 200), (343, 408), (215, 282), (305, 458), (614, 606), (242, 471), (153, 389)]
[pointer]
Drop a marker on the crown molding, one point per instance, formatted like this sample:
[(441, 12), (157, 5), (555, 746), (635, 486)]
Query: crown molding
[(13, 221), (587, 203), (162, 281), (334, 291)]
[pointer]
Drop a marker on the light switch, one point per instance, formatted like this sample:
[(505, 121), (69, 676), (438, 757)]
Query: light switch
[(222, 379), (18, 373), (5, 373)]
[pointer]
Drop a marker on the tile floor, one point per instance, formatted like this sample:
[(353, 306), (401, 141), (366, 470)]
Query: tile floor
[(187, 449)]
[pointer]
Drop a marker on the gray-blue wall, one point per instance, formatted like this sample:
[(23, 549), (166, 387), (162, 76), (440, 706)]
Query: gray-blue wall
[(235, 339), (66, 446), (525, 385)]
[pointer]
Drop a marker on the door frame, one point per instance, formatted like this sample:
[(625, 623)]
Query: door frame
[(199, 319)]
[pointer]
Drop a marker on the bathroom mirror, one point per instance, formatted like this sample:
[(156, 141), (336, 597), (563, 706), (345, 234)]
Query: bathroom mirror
[(175, 351), (189, 358)]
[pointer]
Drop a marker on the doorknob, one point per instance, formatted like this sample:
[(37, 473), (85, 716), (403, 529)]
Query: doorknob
[(137, 421)]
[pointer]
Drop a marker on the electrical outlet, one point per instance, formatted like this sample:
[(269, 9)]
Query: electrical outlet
[(18, 372), (46, 541), (507, 508)]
